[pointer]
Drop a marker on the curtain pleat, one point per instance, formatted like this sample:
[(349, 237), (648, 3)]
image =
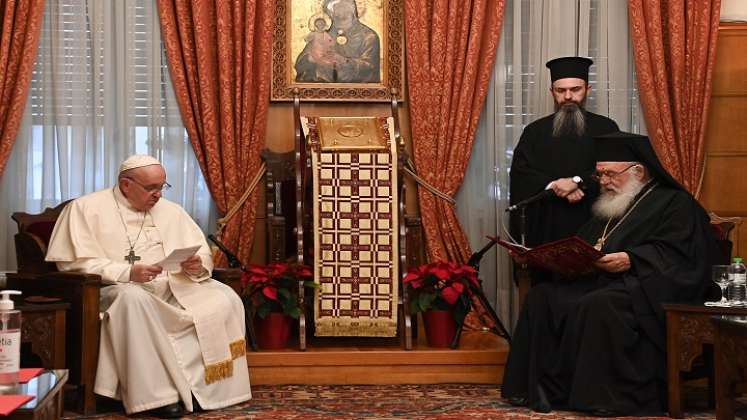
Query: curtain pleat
[(675, 50), (19, 38), (220, 56), (451, 48)]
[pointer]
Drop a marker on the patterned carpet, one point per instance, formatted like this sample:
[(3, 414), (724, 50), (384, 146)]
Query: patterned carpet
[(312, 402)]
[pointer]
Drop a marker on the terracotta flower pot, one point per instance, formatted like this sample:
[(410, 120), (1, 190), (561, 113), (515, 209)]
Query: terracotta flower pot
[(273, 330), (440, 327)]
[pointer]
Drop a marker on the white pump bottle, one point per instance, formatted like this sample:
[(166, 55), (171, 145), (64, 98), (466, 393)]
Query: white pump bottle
[(10, 343)]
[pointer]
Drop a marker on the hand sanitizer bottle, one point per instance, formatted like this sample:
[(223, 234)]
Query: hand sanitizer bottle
[(10, 343)]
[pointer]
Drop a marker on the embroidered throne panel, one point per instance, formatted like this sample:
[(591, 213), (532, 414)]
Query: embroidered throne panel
[(355, 225)]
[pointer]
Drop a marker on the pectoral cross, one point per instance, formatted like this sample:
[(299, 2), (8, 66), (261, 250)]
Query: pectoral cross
[(131, 257)]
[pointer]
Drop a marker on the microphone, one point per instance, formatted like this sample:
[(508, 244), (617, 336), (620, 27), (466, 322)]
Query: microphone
[(233, 260), (537, 197), (474, 260), (541, 195)]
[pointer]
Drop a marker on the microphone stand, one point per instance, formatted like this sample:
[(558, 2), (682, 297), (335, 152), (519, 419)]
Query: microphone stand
[(477, 291), (234, 262), (522, 276)]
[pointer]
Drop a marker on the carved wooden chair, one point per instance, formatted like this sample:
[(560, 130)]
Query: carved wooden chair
[(81, 291), (703, 366), (723, 228), (280, 199), (408, 230), (37, 277)]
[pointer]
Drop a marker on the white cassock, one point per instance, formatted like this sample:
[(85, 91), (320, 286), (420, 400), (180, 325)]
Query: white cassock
[(163, 340)]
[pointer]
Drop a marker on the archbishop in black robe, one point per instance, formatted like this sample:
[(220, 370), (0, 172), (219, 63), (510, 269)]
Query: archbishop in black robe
[(540, 158), (597, 343)]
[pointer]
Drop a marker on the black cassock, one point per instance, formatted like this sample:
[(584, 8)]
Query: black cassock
[(598, 342), (540, 158)]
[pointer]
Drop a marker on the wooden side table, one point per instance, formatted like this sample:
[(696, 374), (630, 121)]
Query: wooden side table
[(731, 360), (43, 325), (688, 328), (47, 389)]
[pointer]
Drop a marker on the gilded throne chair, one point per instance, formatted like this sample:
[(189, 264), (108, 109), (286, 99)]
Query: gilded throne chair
[(347, 222)]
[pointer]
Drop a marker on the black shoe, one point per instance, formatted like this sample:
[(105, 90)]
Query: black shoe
[(518, 401), (542, 405), (603, 412), (171, 411)]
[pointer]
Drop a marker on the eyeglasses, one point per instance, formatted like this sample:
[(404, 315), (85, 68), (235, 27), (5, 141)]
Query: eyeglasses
[(153, 188), (598, 175)]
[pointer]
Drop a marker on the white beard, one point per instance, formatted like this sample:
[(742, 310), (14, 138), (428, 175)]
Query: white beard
[(612, 204)]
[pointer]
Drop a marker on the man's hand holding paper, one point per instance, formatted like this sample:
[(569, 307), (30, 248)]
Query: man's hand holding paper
[(143, 273), (192, 265), (182, 259)]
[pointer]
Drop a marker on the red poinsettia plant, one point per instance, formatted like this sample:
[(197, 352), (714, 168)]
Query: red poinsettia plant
[(442, 286), (274, 287)]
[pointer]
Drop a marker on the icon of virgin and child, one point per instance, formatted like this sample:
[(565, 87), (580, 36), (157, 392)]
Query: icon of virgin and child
[(339, 47)]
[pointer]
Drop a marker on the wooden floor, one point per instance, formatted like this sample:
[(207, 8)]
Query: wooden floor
[(480, 358)]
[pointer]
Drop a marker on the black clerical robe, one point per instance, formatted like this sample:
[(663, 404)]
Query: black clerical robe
[(598, 342), (540, 158)]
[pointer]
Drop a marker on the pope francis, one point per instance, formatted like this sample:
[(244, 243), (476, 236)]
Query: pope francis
[(166, 336)]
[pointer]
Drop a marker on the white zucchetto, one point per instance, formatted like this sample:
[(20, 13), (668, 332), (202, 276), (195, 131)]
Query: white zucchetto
[(137, 161)]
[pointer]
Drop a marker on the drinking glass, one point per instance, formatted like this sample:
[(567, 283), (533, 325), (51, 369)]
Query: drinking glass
[(720, 276)]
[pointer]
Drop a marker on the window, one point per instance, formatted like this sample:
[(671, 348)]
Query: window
[(100, 91)]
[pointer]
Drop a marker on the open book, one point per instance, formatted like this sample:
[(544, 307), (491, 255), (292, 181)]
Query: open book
[(569, 256)]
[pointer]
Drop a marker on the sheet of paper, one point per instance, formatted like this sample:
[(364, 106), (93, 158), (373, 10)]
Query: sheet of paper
[(172, 261)]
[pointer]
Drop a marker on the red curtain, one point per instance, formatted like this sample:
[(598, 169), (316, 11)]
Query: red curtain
[(451, 49), (675, 50), (19, 39), (220, 56)]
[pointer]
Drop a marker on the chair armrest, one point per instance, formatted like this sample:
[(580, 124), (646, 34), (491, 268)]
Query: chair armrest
[(54, 284), (81, 291), (72, 279)]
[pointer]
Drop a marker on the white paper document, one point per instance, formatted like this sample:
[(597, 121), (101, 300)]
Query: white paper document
[(172, 261)]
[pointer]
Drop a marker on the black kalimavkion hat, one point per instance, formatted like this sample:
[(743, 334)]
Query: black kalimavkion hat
[(628, 147), (565, 67)]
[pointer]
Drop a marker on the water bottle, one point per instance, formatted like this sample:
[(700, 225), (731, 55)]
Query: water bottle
[(737, 283)]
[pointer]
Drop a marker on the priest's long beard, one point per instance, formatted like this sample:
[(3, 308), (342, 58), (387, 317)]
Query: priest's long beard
[(569, 119), (612, 205)]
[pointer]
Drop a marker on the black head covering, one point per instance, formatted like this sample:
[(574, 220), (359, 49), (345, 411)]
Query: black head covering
[(564, 67), (629, 147)]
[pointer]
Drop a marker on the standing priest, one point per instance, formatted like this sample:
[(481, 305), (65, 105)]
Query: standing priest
[(556, 152), (166, 336), (596, 343)]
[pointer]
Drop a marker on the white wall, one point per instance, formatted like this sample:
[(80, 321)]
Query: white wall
[(733, 10)]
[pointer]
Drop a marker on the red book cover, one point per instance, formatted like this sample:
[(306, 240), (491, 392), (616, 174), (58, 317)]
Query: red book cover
[(569, 256), (8, 403), (27, 374)]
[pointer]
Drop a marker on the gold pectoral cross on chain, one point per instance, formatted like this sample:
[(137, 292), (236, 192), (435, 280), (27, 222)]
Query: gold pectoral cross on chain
[(131, 257)]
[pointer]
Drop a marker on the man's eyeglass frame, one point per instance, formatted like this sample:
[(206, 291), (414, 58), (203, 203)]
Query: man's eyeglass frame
[(151, 190), (598, 175)]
